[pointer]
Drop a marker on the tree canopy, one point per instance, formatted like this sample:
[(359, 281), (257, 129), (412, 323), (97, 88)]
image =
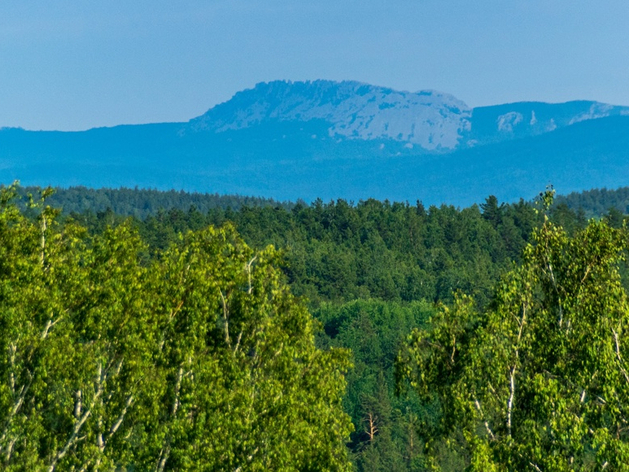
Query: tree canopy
[(539, 380), (169, 340), (197, 359)]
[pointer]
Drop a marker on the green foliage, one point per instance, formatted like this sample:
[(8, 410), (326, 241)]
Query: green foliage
[(385, 437), (199, 359), (538, 381), (141, 203), (596, 202), (371, 272), (338, 252)]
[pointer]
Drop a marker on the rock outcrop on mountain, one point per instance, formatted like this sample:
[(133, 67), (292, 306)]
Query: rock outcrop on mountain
[(290, 140), (432, 120), (518, 120)]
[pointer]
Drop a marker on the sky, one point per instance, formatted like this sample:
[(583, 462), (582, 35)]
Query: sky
[(78, 64)]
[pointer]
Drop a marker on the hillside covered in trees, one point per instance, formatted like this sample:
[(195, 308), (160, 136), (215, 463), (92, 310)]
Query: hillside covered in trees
[(140, 202), (142, 284)]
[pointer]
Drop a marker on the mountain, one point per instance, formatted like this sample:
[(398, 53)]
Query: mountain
[(432, 120), (290, 140), (519, 120)]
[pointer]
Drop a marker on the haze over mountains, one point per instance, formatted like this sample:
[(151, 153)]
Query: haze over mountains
[(290, 140)]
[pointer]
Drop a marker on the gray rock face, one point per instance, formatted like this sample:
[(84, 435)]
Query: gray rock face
[(429, 119), (341, 140), (519, 120)]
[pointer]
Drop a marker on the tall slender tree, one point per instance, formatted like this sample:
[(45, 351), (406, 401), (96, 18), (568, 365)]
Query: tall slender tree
[(200, 359), (539, 381)]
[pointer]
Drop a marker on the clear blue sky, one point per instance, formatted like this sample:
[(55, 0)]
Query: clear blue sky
[(76, 64)]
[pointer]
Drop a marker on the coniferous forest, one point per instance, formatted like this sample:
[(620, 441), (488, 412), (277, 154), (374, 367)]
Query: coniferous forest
[(167, 331)]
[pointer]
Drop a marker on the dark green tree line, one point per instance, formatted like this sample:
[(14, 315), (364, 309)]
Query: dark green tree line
[(339, 252)]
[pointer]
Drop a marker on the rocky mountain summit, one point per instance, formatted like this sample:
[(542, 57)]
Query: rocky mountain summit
[(305, 140), (432, 120), (523, 119)]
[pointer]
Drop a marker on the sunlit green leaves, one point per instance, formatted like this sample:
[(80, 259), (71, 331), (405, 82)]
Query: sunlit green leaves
[(199, 360), (539, 380)]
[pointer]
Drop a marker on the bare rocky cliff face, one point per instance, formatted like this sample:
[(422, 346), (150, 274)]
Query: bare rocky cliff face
[(428, 120), (520, 120), (292, 140)]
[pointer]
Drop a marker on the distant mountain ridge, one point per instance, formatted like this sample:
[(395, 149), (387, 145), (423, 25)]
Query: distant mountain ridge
[(517, 120), (291, 140), (432, 120)]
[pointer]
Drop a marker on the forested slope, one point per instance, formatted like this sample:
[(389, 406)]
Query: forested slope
[(597, 202), (370, 272), (391, 251), (198, 359), (141, 203)]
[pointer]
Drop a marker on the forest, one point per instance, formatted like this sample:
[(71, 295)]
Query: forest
[(146, 330)]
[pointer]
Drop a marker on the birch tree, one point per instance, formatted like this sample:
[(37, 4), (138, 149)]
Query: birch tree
[(199, 359), (75, 331), (538, 381), (246, 389)]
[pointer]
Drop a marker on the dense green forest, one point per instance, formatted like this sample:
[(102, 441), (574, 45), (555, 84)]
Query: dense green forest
[(141, 203), (371, 274), (538, 380), (597, 202), (197, 359)]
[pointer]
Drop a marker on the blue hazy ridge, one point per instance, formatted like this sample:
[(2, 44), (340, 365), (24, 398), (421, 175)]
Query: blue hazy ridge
[(510, 151)]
